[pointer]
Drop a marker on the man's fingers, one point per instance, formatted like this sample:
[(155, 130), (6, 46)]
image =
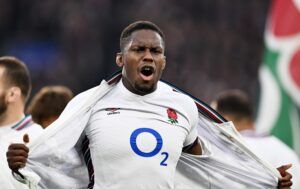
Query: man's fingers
[(17, 155), (18, 146), (16, 166), (285, 181), (282, 169), (16, 162), (286, 177), (286, 184), (17, 159), (26, 138), (13, 153)]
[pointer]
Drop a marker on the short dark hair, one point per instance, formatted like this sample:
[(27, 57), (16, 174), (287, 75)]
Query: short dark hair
[(50, 101), (138, 25), (16, 74), (235, 103)]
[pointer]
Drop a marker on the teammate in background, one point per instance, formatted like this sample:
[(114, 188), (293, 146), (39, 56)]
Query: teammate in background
[(15, 86), (46, 106), (235, 106)]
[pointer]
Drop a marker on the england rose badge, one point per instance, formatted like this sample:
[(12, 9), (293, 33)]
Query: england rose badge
[(172, 115)]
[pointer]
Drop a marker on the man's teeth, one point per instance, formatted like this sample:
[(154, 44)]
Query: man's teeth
[(147, 69)]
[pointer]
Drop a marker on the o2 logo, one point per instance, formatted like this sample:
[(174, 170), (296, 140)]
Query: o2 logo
[(155, 151)]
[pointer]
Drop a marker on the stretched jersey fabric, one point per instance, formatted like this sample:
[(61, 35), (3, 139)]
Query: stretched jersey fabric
[(228, 162), (9, 134), (261, 144), (56, 161)]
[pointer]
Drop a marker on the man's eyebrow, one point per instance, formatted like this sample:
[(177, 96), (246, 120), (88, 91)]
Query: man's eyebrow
[(144, 45)]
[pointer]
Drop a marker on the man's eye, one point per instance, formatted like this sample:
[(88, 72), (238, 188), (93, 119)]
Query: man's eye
[(140, 49), (156, 51)]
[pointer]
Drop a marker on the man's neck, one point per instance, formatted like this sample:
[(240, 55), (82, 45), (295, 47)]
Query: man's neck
[(11, 116), (134, 90)]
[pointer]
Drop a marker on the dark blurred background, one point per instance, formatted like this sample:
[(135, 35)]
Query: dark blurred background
[(212, 45)]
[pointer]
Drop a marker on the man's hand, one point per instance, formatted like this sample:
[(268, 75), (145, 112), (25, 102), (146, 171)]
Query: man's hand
[(17, 155), (286, 181)]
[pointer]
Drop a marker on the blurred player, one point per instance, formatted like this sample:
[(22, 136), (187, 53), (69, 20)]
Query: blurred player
[(15, 86), (46, 106)]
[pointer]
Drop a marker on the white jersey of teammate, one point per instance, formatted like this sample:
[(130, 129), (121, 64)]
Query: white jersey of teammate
[(13, 133), (136, 141)]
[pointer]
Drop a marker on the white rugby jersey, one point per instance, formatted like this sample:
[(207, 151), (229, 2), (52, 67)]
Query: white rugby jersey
[(13, 133), (136, 141), (50, 165)]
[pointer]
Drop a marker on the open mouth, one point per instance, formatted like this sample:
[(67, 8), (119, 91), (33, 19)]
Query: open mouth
[(147, 70), (147, 73)]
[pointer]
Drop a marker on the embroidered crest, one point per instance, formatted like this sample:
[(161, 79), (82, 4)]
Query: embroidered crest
[(172, 115)]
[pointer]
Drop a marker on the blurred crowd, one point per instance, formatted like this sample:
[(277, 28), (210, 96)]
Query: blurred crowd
[(212, 44)]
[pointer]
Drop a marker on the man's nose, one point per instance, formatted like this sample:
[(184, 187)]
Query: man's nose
[(148, 56)]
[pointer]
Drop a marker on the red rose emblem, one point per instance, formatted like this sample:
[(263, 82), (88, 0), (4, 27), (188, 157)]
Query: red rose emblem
[(172, 115)]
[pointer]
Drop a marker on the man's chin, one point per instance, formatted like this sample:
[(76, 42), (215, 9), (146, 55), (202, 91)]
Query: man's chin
[(144, 89)]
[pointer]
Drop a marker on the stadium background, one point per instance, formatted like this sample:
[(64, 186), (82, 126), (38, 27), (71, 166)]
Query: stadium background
[(212, 45)]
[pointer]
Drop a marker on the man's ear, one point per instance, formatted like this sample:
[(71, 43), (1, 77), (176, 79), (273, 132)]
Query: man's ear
[(14, 93), (119, 59), (164, 63)]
